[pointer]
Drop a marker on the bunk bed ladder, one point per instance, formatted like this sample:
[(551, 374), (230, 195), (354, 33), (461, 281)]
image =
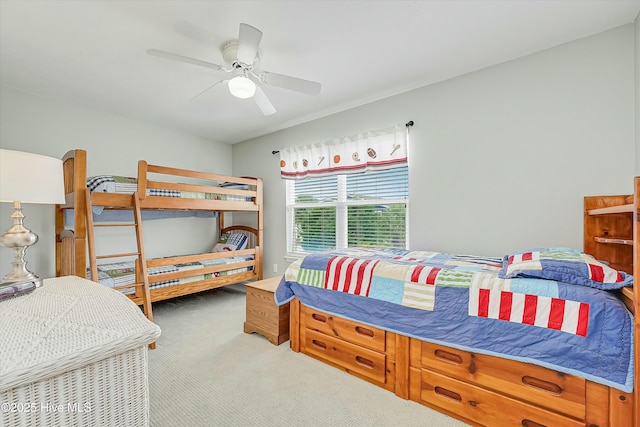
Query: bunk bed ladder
[(142, 277)]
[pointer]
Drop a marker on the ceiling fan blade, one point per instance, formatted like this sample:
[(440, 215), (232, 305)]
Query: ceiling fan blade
[(291, 83), (263, 102), (180, 58), (248, 42), (210, 87)]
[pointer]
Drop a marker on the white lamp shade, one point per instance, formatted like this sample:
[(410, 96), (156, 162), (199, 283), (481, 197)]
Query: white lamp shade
[(242, 87), (30, 178)]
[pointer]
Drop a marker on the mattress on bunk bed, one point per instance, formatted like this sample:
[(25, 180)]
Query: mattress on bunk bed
[(494, 306), (128, 185), (119, 274)]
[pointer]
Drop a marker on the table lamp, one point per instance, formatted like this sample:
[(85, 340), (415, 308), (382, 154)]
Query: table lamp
[(25, 178)]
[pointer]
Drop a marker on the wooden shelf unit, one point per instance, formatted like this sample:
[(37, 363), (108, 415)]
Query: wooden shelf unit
[(608, 230), (612, 233)]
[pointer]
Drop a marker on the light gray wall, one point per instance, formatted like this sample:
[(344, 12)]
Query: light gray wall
[(114, 145), (500, 158)]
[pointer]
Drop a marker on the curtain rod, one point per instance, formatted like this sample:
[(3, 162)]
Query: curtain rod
[(408, 125)]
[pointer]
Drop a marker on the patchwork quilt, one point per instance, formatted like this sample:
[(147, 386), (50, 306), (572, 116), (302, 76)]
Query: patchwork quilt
[(464, 302)]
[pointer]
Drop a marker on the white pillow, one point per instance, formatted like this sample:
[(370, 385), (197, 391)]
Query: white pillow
[(231, 242), (223, 247)]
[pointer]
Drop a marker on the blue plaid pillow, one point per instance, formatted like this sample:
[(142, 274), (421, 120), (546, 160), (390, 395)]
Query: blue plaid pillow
[(231, 242), (240, 240)]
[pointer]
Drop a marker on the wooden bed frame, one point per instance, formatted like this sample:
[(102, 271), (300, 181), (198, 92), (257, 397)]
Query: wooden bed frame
[(487, 390), (74, 244)]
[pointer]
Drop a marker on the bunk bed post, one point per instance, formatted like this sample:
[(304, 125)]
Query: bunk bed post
[(636, 299), (142, 179), (259, 251), (71, 258), (59, 248), (220, 222), (80, 213), (67, 165)]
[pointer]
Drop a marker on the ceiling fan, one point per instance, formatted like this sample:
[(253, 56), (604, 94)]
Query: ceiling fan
[(243, 57)]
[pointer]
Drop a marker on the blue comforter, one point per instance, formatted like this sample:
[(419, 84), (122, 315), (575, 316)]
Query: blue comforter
[(460, 301)]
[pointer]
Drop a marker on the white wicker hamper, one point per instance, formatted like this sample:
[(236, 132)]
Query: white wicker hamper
[(74, 353)]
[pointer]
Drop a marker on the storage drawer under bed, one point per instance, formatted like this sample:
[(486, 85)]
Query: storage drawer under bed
[(476, 403), (551, 389), (353, 358), (361, 350), (359, 334)]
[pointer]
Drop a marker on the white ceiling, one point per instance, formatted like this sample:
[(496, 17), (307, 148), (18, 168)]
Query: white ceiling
[(92, 53)]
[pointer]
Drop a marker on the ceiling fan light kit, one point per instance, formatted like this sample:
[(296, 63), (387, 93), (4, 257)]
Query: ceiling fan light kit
[(243, 57), (242, 87)]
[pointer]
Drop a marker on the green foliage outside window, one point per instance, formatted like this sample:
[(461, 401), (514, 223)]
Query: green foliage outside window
[(368, 226), (315, 227), (377, 226)]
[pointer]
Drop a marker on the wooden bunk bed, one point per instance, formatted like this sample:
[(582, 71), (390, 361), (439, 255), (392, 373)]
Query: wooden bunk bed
[(477, 387), (158, 189)]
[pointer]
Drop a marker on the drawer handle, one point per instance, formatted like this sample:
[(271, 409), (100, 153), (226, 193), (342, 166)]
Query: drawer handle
[(529, 423), (448, 393), (319, 344), (319, 317), (448, 357), (364, 362), (364, 331), (542, 385)]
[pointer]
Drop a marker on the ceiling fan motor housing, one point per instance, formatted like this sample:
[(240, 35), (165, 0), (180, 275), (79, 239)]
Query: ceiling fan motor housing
[(230, 56)]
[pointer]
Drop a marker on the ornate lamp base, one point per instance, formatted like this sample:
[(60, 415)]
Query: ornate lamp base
[(18, 238)]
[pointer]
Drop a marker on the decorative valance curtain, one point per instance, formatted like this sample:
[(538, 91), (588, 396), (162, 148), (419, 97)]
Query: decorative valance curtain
[(373, 150)]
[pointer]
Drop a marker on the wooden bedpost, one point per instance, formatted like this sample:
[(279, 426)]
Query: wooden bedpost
[(220, 223), (636, 292), (142, 179), (259, 225), (59, 229), (72, 260)]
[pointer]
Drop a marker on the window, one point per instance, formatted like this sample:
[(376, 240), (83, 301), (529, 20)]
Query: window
[(347, 192), (354, 210)]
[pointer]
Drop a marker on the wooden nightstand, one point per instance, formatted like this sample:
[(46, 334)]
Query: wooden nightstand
[(263, 316)]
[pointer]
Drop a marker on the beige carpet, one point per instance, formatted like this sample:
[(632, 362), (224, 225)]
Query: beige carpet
[(206, 371)]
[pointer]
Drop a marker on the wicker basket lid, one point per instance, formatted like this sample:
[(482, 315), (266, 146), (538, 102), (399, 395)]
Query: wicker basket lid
[(67, 323)]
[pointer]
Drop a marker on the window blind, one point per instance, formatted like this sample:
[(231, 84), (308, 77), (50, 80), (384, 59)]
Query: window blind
[(356, 210)]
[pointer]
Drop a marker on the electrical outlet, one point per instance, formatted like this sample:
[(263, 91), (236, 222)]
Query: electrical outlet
[(275, 268)]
